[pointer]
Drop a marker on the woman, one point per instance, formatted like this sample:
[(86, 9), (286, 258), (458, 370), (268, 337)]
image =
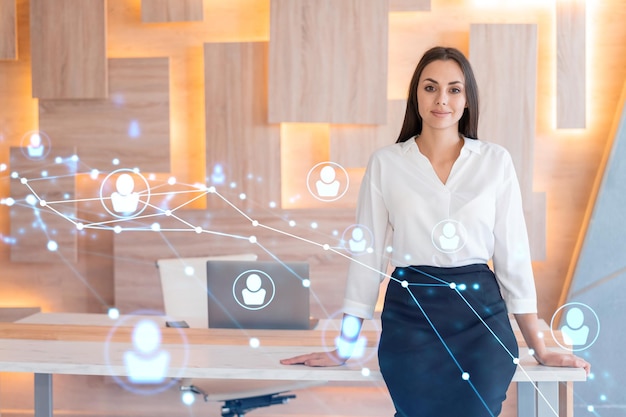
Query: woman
[(440, 204)]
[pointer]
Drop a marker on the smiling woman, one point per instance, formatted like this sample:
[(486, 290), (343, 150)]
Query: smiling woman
[(440, 205)]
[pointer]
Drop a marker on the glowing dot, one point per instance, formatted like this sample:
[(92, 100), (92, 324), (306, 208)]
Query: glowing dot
[(314, 225), (233, 184), (3, 167), (252, 239), (211, 189), (117, 229), (115, 161), (292, 223), (452, 285), (335, 232), (14, 175), (31, 199), (255, 223), (591, 376), (9, 201), (242, 196), (365, 371), (407, 257), (23, 180), (198, 229), (188, 398), (189, 270), (113, 313), (254, 342), (58, 160), (80, 226), (465, 376), (136, 170), (531, 352), (369, 250), (462, 287), (168, 212), (590, 408), (326, 246), (516, 361), (389, 249), (74, 158), (306, 283), (171, 180), (405, 283), (43, 203), (94, 174), (476, 286), (602, 397), (540, 334), (53, 246), (272, 204), (44, 173), (156, 227)]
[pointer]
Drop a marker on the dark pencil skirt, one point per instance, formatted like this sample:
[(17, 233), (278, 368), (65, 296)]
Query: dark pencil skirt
[(446, 352)]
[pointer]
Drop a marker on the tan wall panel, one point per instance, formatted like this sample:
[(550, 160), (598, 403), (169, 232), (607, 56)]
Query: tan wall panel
[(408, 5), (504, 59), (8, 29), (131, 125), (241, 146), (571, 98), (171, 10), (351, 146), (328, 61), (68, 40), (137, 284), (34, 227)]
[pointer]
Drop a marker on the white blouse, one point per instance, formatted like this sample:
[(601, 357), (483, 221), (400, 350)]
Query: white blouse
[(409, 217)]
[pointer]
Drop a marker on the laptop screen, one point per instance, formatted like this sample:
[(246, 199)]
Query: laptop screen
[(258, 295)]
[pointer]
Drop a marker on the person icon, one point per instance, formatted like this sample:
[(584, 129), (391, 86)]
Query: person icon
[(253, 294), (35, 146), (218, 177), (357, 242), (327, 185), (575, 332), (124, 200), (449, 240), (146, 364)]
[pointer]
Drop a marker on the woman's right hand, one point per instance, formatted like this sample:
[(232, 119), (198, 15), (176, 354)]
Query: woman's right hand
[(330, 358)]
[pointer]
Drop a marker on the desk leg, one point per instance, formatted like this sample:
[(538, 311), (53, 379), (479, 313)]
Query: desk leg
[(526, 400), (43, 395), (548, 405)]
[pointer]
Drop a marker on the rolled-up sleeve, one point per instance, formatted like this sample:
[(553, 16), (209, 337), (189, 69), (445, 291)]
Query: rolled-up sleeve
[(511, 256)]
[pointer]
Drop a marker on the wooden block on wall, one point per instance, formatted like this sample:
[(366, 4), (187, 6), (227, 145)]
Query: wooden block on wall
[(43, 234), (171, 11), (570, 65), (504, 59), (132, 125), (8, 30), (68, 44), (241, 147), (328, 61), (352, 145), (408, 5)]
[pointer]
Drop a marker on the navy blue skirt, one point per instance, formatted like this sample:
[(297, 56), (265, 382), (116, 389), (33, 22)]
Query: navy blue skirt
[(446, 347)]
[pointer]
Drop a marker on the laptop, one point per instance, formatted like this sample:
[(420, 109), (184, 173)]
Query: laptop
[(258, 295)]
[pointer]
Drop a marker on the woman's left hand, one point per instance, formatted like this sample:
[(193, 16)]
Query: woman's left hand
[(549, 358)]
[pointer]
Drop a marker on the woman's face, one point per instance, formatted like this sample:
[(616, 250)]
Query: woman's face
[(441, 96)]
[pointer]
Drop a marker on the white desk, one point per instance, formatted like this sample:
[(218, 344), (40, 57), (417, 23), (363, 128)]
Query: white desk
[(219, 354)]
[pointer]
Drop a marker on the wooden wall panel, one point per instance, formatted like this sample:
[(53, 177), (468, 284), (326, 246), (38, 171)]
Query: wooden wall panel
[(328, 61), (408, 5), (171, 10), (68, 42), (241, 146), (571, 97), (504, 59), (351, 146), (33, 227), (131, 125), (137, 284), (8, 29)]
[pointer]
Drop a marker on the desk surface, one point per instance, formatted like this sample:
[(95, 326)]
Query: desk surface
[(95, 348)]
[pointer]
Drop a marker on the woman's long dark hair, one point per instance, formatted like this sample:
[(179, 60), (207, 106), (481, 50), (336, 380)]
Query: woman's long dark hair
[(468, 125)]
